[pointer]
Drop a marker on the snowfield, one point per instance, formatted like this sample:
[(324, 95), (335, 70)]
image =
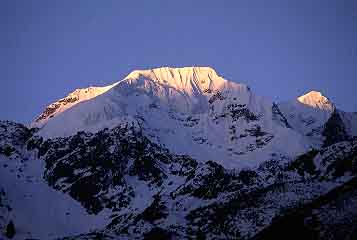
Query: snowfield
[(39, 211)]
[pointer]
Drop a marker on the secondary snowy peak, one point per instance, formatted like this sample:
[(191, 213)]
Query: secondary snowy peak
[(75, 97), (316, 100), (308, 114)]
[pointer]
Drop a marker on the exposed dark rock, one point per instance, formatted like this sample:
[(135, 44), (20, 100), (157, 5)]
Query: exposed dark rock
[(207, 182), (279, 116), (158, 234), (14, 137), (157, 210), (10, 230), (309, 221), (304, 163), (334, 130), (237, 111), (215, 97), (52, 108)]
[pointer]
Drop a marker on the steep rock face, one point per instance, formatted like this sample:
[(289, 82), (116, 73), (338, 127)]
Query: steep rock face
[(350, 122), (334, 130), (13, 137), (279, 116)]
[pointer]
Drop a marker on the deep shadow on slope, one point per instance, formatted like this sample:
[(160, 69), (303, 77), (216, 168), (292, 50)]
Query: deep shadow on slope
[(307, 222)]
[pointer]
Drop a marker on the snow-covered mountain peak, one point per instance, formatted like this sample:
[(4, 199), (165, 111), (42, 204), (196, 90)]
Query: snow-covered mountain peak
[(184, 79), (188, 90), (164, 72), (315, 99), (308, 114)]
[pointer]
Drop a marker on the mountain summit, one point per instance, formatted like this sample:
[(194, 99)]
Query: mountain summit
[(182, 88), (181, 78), (316, 100)]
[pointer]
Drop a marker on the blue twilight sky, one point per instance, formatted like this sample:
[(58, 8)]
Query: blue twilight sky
[(280, 48)]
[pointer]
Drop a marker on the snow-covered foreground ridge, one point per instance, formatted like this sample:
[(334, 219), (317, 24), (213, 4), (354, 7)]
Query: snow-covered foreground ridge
[(117, 184), (194, 111)]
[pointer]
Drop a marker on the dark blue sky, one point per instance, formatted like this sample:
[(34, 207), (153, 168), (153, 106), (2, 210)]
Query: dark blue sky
[(280, 48)]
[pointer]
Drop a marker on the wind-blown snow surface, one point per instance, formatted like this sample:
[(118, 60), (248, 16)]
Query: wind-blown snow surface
[(191, 111)]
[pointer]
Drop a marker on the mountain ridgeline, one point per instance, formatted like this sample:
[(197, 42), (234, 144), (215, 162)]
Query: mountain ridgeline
[(180, 153)]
